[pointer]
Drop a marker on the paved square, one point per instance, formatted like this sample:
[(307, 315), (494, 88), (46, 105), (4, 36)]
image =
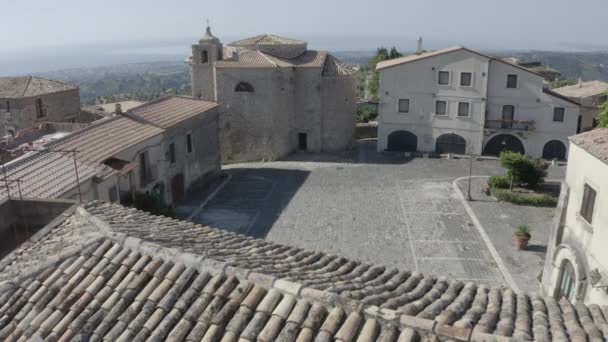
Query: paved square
[(399, 214)]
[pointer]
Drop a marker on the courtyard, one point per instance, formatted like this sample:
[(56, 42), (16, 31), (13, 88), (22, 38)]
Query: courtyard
[(383, 209)]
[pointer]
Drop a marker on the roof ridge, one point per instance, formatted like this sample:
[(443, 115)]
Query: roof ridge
[(267, 58), (27, 85)]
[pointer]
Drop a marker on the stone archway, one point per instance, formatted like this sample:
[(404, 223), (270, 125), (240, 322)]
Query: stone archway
[(554, 149), (503, 142), (451, 143), (402, 141)]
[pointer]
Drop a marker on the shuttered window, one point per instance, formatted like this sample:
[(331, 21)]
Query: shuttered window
[(589, 195)]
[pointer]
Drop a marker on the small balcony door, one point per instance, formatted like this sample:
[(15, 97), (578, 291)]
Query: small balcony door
[(508, 113)]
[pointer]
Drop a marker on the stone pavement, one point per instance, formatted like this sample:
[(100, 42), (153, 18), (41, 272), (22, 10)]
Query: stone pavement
[(365, 205), (500, 219)]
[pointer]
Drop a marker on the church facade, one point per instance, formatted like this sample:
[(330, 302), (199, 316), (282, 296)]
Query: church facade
[(276, 96)]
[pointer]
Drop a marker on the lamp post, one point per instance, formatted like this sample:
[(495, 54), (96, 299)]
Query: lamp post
[(470, 174)]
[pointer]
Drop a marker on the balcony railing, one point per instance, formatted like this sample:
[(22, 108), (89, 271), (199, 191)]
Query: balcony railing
[(514, 125)]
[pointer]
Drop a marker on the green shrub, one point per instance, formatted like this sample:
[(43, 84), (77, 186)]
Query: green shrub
[(500, 182), (539, 200), (523, 231), (523, 170)]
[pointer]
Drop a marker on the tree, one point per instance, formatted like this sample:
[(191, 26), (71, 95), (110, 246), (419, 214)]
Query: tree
[(382, 54), (603, 116), (523, 170)]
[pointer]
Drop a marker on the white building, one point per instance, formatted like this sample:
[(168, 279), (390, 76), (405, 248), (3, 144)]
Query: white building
[(577, 259), (591, 95), (460, 101)]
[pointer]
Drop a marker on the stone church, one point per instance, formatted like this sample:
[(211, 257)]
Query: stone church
[(277, 96)]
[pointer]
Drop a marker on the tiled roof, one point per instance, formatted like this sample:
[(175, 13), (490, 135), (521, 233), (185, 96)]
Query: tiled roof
[(560, 96), (595, 142), (26, 86), (183, 280), (267, 39), (331, 66), (585, 89), (45, 175), (415, 57), (104, 138), (169, 111)]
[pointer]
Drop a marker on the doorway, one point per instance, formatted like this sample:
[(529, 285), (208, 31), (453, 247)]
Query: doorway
[(302, 142), (177, 188)]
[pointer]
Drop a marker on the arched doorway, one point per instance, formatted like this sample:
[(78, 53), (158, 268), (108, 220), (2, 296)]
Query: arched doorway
[(554, 149), (402, 141), (503, 142), (451, 143)]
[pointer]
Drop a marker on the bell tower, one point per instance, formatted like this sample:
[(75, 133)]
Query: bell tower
[(204, 55)]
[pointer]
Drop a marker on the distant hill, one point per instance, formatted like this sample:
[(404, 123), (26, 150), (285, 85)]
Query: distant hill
[(138, 81), (147, 81), (572, 65)]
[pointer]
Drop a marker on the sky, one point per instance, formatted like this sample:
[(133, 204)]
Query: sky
[(60, 33)]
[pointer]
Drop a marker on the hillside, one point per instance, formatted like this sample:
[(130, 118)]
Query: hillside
[(140, 81), (147, 81)]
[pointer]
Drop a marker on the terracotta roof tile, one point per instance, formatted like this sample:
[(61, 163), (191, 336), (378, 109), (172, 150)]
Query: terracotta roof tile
[(131, 289), (26, 86), (267, 39), (169, 111), (595, 142)]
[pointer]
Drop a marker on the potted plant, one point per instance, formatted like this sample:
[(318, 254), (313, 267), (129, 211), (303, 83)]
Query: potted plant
[(522, 236)]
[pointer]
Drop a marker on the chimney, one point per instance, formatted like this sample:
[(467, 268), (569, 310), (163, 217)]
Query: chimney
[(117, 108), (419, 47), (580, 82)]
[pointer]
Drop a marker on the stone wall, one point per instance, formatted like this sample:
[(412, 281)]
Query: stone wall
[(61, 106), (255, 126), (339, 112)]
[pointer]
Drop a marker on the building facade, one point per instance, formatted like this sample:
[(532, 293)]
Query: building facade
[(164, 148), (460, 101), (277, 96), (29, 101), (576, 266), (591, 95)]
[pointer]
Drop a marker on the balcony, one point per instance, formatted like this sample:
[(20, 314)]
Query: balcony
[(511, 125)]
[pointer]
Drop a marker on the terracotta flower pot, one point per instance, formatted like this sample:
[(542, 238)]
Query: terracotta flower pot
[(521, 242)]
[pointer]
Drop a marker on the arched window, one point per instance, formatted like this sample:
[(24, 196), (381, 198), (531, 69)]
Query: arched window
[(204, 56), (244, 87), (567, 281)]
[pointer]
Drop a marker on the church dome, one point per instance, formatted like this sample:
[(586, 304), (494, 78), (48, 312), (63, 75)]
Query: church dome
[(209, 37)]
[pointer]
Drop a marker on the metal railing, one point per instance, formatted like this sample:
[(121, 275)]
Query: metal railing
[(514, 125)]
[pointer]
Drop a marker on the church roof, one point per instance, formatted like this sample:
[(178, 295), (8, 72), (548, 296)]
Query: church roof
[(121, 274), (267, 39), (26, 86), (329, 65)]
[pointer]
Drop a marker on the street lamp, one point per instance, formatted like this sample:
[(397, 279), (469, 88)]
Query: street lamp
[(470, 173)]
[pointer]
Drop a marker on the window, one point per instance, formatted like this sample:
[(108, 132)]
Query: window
[(441, 108), (404, 105), (466, 79), (511, 81), (144, 172), (172, 153), (444, 77), (8, 106), (244, 87), (113, 194), (11, 132), (39, 108), (189, 143), (589, 195), (508, 114), (204, 56), (463, 108), (567, 282), (558, 114)]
